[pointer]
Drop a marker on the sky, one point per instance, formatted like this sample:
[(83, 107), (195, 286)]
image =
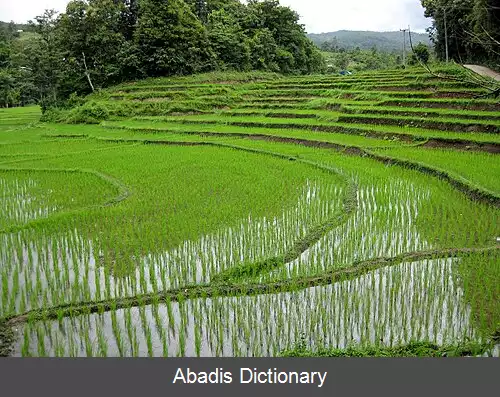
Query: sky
[(318, 16)]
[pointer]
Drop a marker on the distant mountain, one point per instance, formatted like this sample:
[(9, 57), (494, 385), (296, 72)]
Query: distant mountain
[(14, 26), (384, 41)]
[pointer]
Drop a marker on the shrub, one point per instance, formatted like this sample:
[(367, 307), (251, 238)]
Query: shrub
[(90, 113)]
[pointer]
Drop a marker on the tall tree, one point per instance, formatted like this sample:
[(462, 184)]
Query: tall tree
[(43, 56), (129, 13), (295, 53), (229, 43), (485, 34), (93, 38), (469, 29), (171, 39)]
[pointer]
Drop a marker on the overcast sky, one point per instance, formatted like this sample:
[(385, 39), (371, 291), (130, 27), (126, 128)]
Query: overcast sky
[(317, 15)]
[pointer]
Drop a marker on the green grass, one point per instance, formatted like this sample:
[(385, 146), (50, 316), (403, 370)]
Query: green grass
[(203, 189), (480, 169), (157, 130), (308, 127), (409, 111), (233, 214), (32, 194), (447, 103), (451, 124), (414, 349)]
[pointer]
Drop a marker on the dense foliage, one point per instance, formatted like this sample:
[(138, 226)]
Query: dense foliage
[(360, 60), (97, 43), (471, 26)]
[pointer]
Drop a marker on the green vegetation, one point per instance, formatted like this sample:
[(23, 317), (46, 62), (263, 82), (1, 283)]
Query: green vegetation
[(98, 43), (350, 40), (414, 349), (473, 30), (466, 165), (253, 214)]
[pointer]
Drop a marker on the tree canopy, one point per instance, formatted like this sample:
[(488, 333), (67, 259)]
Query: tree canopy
[(97, 43), (472, 28)]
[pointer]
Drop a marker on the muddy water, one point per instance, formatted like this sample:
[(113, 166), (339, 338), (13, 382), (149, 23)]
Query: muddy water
[(389, 306)]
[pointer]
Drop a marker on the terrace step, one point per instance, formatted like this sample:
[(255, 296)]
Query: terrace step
[(448, 125), (490, 106), (465, 142), (409, 112)]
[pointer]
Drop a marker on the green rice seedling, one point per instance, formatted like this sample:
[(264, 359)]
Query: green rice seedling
[(117, 209), (149, 342), (25, 350), (101, 342), (40, 335), (181, 341), (117, 333)]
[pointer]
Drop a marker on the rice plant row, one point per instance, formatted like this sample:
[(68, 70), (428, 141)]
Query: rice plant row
[(242, 214)]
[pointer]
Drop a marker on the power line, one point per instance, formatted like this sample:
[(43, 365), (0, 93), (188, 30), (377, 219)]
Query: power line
[(404, 44)]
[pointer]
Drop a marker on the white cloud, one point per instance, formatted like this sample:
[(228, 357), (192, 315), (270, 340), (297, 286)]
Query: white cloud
[(21, 11), (317, 15), (381, 15)]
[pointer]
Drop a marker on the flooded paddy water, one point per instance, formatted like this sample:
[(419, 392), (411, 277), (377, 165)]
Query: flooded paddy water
[(386, 307), (420, 300), (390, 306), (40, 270)]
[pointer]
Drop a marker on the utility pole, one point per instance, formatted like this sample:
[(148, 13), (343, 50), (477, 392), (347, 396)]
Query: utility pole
[(404, 45), (445, 34)]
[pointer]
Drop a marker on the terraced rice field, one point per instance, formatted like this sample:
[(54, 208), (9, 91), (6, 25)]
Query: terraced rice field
[(246, 215)]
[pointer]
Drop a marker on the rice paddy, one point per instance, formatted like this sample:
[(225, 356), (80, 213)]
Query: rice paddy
[(253, 215)]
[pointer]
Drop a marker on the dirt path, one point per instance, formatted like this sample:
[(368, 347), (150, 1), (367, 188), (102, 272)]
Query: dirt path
[(484, 71)]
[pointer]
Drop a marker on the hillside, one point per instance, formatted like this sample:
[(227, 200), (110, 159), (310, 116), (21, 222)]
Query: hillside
[(385, 41), (198, 209), (101, 43), (15, 26)]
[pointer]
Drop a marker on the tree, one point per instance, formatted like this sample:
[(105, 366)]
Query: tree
[(485, 32), (330, 45), (92, 36), (228, 42), (4, 52), (264, 51), (43, 57), (470, 28), (200, 9), (450, 17), (129, 13), (171, 39), (295, 53), (7, 88), (420, 53), (97, 43)]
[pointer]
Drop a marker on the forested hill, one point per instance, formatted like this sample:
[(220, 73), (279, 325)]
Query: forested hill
[(98, 43), (365, 40), (12, 27)]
